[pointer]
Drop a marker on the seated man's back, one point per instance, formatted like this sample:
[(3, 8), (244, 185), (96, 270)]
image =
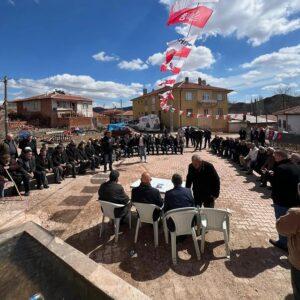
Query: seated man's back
[(112, 191), (145, 193), (179, 197)]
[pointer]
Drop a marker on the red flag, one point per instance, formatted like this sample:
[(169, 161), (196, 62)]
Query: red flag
[(197, 16), (167, 96), (167, 82)]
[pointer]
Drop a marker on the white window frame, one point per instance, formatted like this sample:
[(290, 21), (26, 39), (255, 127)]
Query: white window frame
[(206, 96), (188, 96), (219, 97)]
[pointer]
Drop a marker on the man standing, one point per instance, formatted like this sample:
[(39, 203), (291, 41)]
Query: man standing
[(205, 181), (243, 134), (289, 225), (187, 136), (112, 191), (207, 138), (285, 180), (198, 137), (13, 150), (107, 148), (142, 148)]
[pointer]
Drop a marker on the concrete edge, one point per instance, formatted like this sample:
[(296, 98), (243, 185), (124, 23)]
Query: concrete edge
[(112, 285)]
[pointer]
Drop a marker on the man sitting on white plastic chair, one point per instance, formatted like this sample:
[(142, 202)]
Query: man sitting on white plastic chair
[(145, 193), (112, 191), (178, 197)]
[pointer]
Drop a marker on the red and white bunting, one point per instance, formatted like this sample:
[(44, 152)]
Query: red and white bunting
[(181, 47), (197, 16), (167, 96), (174, 66), (169, 82)]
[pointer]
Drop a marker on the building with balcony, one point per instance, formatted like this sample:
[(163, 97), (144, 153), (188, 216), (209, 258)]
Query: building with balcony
[(192, 98), (56, 109)]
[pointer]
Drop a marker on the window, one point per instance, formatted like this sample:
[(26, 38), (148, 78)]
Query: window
[(206, 112), (189, 112), (220, 111), (189, 96), (206, 96), (219, 97), (284, 125)]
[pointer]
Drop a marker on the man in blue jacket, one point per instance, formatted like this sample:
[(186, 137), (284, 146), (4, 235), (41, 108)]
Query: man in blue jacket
[(178, 197)]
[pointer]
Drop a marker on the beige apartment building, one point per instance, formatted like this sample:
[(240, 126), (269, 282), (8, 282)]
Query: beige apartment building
[(195, 98)]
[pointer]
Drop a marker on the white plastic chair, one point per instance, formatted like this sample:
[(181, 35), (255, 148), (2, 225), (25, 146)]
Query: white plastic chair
[(145, 212), (183, 218), (108, 209), (215, 220)]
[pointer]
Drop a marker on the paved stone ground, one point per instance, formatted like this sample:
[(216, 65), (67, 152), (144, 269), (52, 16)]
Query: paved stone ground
[(255, 271)]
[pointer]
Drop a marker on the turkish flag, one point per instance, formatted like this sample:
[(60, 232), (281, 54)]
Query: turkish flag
[(197, 16)]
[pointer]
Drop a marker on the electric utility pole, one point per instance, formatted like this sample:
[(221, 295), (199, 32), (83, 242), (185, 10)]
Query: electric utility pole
[(5, 105)]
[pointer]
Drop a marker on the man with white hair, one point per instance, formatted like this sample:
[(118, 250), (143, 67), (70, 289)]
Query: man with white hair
[(204, 180)]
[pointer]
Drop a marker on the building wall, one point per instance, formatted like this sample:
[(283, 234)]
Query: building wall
[(292, 123), (193, 102), (85, 109)]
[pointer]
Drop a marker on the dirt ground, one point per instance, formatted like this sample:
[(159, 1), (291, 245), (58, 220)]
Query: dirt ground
[(255, 271)]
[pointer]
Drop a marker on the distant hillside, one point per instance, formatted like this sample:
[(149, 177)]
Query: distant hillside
[(102, 109), (265, 106)]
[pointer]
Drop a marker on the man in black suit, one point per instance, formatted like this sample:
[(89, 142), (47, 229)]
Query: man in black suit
[(205, 180), (179, 196), (112, 191), (107, 148), (29, 142), (145, 193)]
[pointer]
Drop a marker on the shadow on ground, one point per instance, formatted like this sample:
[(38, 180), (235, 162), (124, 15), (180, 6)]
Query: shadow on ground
[(242, 261), (142, 260)]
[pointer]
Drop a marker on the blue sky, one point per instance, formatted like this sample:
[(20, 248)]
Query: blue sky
[(110, 50)]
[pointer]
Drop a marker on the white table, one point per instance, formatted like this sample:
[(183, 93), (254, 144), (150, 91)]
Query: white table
[(163, 185)]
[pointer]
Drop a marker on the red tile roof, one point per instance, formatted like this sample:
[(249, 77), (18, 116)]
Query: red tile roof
[(289, 111), (126, 113), (183, 85), (55, 95)]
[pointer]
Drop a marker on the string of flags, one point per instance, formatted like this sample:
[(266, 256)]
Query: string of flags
[(197, 16)]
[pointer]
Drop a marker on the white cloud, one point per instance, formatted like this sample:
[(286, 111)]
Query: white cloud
[(80, 85), (255, 20), (12, 2), (102, 56), (133, 65), (200, 58), (279, 86)]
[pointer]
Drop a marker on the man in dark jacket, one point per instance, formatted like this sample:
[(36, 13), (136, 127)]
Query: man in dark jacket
[(107, 148), (85, 163), (61, 162), (29, 142), (285, 180), (145, 193), (91, 154), (205, 181), (13, 150), (198, 137), (243, 134), (43, 166), (207, 138), (178, 197), (112, 191), (27, 168)]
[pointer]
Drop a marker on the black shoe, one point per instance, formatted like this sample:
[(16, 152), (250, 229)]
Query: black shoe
[(26, 194), (58, 182), (277, 244), (263, 185), (46, 186), (40, 187), (74, 176)]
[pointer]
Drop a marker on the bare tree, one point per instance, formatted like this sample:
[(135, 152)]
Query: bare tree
[(283, 90)]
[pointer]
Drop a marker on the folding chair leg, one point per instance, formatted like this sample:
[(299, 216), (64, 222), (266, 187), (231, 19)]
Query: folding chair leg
[(173, 246), (102, 226), (203, 239), (155, 228), (196, 244), (226, 244), (138, 224), (166, 232), (117, 228)]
